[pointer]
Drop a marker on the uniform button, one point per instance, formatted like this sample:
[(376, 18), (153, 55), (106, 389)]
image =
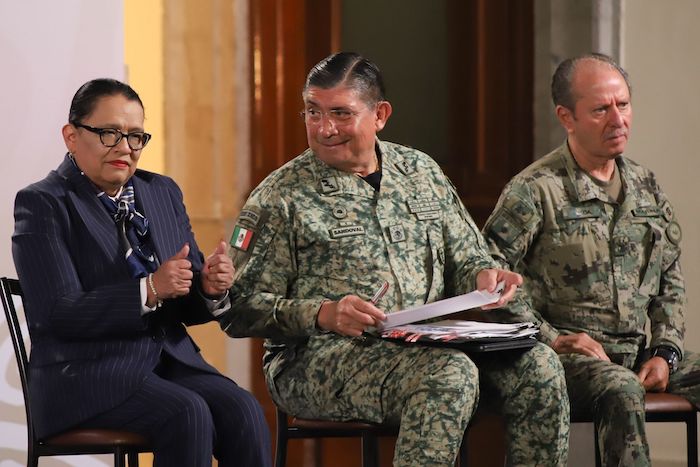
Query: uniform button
[(340, 212)]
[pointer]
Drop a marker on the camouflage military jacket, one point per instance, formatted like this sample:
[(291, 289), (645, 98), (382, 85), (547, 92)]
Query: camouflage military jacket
[(589, 263), (310, 233)]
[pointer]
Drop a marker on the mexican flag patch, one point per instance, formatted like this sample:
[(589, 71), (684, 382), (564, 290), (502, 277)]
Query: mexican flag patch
[(241, 238)]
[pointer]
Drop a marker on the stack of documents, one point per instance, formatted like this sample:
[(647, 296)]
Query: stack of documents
[(442, 307), (467, 335), (457, 331)]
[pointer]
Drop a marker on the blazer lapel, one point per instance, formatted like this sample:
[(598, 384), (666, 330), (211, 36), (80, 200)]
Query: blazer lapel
[(160, 218), (95, 217)]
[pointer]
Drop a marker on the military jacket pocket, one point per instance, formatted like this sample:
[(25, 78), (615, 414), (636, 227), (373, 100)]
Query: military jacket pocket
[(638, 246), (651, 262), (577, 267), (334, 251), (579, 218)]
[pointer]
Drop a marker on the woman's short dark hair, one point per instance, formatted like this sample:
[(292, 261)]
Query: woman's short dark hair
[(562, 94), (88, 94), (352, 70)]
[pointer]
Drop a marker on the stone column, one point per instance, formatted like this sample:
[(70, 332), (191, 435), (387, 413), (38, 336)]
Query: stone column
[(207, 107), (564, 28)]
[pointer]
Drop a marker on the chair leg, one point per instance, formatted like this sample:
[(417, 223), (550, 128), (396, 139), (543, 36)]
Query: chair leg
[(119, 455), (32, 459), (370, 450), (596, 445), (133, 459), (281, 452), (692, 440), (281, 442)]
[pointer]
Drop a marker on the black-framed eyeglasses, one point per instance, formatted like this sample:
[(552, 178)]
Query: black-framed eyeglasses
[(110, 137)]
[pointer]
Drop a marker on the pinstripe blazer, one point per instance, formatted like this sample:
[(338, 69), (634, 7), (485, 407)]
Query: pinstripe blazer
[(91, 348)]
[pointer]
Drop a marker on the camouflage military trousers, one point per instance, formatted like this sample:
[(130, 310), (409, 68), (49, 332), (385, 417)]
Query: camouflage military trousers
[(529, 390), (613, 394), (431, 393)]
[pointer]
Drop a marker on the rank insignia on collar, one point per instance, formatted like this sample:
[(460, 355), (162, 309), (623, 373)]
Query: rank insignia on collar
[(329, 185), (404, 167)]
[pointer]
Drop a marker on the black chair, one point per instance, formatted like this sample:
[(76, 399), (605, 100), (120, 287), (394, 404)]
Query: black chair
[(71, 442), (300, 428), (662, 407)]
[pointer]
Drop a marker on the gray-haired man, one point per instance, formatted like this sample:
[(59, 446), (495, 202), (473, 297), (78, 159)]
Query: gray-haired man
[(599, 245)]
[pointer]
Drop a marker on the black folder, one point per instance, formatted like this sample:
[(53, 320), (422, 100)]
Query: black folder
[(486, 344)]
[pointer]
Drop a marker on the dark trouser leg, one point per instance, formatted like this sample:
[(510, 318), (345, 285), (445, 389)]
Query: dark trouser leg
[(176, 420), (242, 437)]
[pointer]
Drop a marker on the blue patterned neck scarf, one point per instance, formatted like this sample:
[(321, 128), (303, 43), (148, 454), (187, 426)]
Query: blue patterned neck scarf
[(133, 231)]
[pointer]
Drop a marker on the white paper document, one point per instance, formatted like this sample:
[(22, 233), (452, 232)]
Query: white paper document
[(460, 331), (442, 307)]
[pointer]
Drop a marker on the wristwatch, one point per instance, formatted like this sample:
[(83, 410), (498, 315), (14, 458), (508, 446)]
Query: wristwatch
[(669, 354)]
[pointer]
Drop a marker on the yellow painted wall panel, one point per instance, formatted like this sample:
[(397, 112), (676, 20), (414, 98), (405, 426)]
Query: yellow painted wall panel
[(143, 54)]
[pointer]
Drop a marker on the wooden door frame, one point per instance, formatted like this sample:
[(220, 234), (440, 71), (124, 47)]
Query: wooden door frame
[(287, 37)]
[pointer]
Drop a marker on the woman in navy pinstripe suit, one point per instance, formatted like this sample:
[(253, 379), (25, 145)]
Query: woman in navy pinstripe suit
[(112, 274)]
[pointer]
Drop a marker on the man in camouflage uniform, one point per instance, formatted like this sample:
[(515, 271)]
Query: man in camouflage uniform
[(598, 244), (322, 233)]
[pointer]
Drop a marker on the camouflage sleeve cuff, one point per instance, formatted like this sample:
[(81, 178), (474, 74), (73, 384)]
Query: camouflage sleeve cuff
[(298, 316), (270, 316), (319, 329), (471, 276), (674, 344), (548, 334)]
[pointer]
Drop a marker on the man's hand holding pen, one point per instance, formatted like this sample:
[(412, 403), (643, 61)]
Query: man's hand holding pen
[(351, 315)]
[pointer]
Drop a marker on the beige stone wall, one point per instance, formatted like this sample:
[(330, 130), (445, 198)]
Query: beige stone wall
[(661, 43), (47, 53), (205, 89)]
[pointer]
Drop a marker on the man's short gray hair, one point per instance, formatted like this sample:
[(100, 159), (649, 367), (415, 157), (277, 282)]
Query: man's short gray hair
[(562, 94)]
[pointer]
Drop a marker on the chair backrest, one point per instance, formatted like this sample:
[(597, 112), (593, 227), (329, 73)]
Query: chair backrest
[(10, 289)]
